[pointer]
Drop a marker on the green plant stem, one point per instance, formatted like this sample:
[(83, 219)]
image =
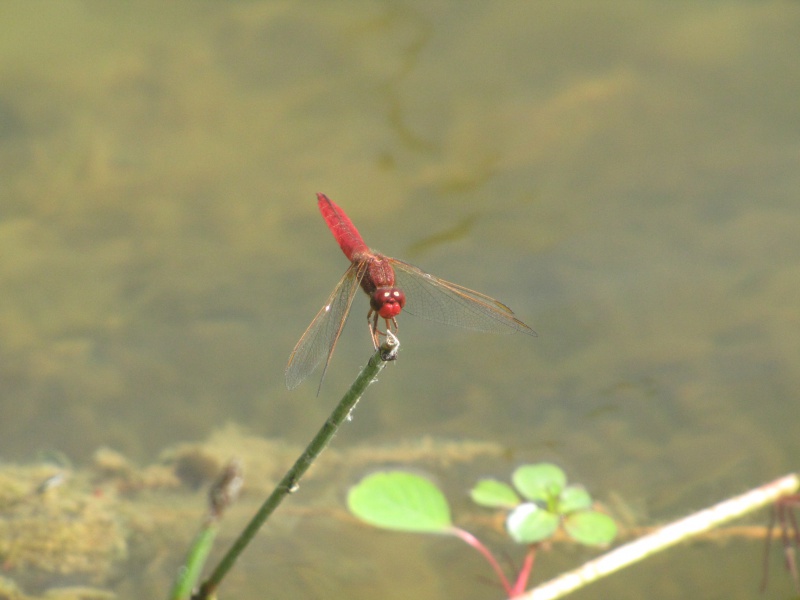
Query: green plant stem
[(198, 553), (290, 481)]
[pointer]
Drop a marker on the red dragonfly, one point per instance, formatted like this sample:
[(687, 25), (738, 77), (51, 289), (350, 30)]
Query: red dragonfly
[(428, 297)]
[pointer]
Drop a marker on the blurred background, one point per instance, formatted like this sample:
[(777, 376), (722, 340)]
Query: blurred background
[(624, 176)]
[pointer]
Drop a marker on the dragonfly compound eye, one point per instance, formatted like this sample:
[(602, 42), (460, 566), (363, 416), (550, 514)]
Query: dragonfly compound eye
[(389, 302)]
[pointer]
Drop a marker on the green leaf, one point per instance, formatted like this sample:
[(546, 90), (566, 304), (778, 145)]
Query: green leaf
[(400, 501), (529, 523), (494, 494), (590, 527), (574, 497), (539, 482)]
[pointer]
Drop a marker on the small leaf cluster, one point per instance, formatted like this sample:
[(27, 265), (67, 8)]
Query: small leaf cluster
[(540, 502)]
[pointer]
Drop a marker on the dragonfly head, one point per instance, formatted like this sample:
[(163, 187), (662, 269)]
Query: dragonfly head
[(387, 302)]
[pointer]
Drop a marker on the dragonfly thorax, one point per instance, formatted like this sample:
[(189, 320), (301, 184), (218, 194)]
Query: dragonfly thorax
[(387, 302)]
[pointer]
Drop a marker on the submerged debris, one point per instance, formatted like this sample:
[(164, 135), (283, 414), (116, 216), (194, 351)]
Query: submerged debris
[(70, 532)]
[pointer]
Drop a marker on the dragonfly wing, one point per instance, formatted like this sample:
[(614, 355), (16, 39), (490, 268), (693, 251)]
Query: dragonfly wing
[(319, 340), (438, 300)]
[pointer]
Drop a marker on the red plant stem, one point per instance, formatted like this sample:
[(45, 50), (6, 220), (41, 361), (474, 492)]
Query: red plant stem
[(478, 545), (524, 572)]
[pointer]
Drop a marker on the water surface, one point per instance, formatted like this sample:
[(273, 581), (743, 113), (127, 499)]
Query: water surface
[(624, 176)]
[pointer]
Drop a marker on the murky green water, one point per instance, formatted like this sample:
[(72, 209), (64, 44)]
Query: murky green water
[(624, 176)]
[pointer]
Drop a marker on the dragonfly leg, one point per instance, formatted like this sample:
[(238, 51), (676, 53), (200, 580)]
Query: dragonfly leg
[(374, 332), (394, 322), (373, 328)]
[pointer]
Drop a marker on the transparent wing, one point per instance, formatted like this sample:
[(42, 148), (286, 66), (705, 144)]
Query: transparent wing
[(438, 300), (319, 340)]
